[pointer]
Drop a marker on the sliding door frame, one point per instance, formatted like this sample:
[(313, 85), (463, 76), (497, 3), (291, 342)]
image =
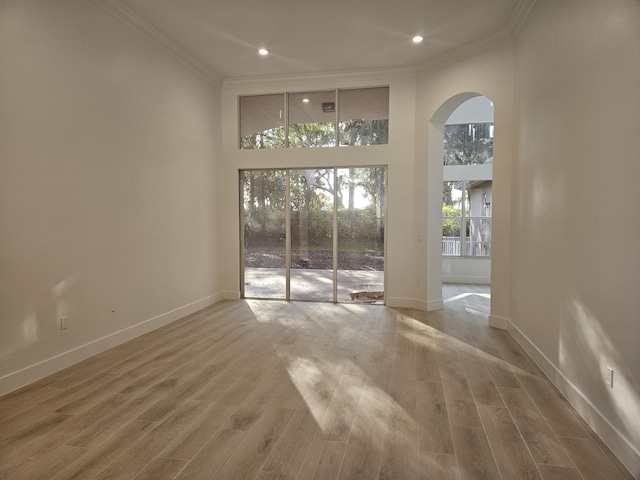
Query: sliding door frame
[(288, 247)]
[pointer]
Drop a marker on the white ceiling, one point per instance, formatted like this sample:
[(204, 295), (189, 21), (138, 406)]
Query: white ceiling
[(311, 36)]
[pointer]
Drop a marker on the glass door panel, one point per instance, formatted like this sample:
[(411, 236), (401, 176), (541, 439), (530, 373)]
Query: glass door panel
[(311, 201), (361, 208), (314, 234), (264, 242)]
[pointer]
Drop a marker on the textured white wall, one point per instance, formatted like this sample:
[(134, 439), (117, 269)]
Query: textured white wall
[(107, 193), (575, 298)]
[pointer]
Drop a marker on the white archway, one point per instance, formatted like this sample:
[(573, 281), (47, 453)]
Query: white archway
[(434, 195)]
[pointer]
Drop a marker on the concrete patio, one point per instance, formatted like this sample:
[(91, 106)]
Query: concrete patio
[(310, 284)]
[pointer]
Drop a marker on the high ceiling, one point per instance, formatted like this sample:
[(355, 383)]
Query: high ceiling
[(311, 36)]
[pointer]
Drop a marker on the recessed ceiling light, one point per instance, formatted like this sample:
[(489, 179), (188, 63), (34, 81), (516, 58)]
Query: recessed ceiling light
[(305, 100), (418, 39), (263, 51)]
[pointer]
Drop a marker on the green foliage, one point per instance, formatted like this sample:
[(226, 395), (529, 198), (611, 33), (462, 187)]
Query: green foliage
[(311, 202), (312, 135), (468, 144), (271, 138), (450, 226), (352, 132), (364, 132)]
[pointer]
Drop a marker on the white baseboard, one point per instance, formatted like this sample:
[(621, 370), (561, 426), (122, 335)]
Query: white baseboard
[(420, 305), (231, 295), (499, 322), (400, 302), (610, 435), (35, 372), (415, 303), (435, 305)]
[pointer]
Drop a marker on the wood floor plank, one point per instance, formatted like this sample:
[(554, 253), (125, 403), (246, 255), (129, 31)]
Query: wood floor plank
[(15, 403), (486, 394), (501, 372), (589, 459), (44, 466), (552, 472), (475, 458), (323, 460), (338, 418), (246, 462), (400, 447), (542, 442), (434, 428), (97, 459), (425, 340), (437, 466), (552, 407), (191, 440), (284, 390), (162, 469), (510, 451), (289, 453), (211, 458), (141, 453), (364, 450), (50, 439), (16, 440), (100, 430), (461, 406)]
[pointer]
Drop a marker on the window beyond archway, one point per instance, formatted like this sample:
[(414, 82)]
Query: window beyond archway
[(467, 192)]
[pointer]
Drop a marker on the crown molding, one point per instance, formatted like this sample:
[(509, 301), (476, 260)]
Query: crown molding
[(168, 46), (466, 51), (519, 17)]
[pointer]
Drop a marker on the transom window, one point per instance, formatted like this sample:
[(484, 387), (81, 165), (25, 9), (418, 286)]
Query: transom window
[(353, 117)]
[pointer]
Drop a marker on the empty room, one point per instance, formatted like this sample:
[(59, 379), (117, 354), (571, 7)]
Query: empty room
[(319, 240)]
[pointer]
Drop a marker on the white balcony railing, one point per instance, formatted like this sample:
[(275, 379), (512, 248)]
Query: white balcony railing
[(451, 246)]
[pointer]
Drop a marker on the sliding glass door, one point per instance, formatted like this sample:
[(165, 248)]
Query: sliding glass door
[(264, 233), (361, 234), (314, 234)]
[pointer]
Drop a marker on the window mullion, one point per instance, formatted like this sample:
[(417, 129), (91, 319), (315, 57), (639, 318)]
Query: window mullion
[(463, 220), (286, 130), (287, 235)]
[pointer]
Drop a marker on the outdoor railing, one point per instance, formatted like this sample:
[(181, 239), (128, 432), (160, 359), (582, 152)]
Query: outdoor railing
[(451, 246)]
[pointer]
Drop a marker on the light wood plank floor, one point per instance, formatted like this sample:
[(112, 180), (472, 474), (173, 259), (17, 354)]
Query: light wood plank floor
[(275, 390)]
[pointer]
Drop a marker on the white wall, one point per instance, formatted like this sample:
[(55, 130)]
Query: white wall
[(575, 295), (108, 188), (439, 93), (398, 155), (466, 270)]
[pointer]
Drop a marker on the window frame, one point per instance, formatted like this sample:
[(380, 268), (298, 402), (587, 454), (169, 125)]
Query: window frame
[(286, 117)]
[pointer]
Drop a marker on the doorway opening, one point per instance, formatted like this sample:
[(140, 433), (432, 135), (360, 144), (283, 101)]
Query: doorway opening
[(314, 234), (467, 195), (465, 259)]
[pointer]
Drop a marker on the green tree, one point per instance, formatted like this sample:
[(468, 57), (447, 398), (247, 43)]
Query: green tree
[(468, 144), (450, 221)]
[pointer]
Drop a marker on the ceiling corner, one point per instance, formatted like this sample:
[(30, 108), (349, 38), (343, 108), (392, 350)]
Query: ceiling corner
[(519, 17), (162, 41), (466, 51)]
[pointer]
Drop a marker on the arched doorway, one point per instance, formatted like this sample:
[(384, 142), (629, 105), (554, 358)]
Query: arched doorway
[(460, 172)]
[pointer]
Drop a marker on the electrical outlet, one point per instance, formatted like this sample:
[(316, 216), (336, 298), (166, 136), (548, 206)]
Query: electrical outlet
[(63, 323), (610, 377), (417, 282)]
